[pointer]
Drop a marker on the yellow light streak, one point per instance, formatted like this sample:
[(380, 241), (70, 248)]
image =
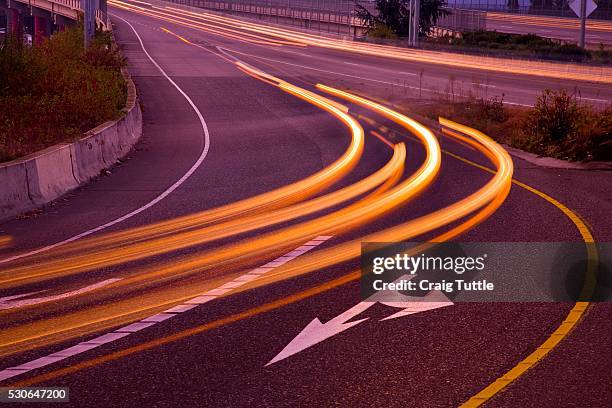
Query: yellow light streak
[(470, 223), (373, 206), (5, 241), (226, 32), (12, 277)]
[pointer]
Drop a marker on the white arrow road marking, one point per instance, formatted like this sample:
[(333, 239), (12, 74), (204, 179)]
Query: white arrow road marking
[(315, 332), (163, 316), (9, 302), (433, 300)]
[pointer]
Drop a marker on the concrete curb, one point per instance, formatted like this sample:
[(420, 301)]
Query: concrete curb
[(552, 163), (46, 175)]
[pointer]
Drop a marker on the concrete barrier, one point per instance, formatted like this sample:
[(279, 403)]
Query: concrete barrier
[(87, 158), (49, 173), (14, 196), (46, 175)]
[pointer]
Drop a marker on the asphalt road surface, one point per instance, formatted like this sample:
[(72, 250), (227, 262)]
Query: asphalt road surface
[(151, 312)]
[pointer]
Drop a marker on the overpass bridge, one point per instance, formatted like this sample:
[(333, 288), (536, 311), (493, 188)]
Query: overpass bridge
[(52, 15)]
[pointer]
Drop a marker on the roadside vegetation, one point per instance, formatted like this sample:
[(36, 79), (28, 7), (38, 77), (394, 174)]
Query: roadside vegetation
[(392, 19), (56, 91), (558, 125), (526, 45)]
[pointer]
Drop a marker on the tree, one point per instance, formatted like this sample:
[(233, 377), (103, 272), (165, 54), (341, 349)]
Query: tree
[(395, 15)]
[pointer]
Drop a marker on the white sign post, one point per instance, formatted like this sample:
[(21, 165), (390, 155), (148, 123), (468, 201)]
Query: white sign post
[(583, 9)]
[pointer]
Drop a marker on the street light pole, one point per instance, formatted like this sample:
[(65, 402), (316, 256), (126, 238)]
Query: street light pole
[(415, 22), (411, 22), (582, 22)]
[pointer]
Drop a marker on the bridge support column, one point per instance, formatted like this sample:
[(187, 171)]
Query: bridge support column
[(14, 23), (41, 29)]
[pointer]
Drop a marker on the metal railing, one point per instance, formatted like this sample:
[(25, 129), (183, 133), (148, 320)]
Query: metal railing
[(76, 5), (463, 20), (340, 17), (326, 16)]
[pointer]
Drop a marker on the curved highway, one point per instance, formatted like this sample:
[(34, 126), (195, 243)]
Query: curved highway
[(218, 265)]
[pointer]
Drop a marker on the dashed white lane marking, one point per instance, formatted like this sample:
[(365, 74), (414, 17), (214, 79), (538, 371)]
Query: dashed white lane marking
[(350, 63), (159, 317), (485, 85), (595, 99), (10, 302), (157, 199)]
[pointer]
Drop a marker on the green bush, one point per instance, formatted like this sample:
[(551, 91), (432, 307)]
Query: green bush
[(57, 90), (382, 31), (528, 45), (559, 126)]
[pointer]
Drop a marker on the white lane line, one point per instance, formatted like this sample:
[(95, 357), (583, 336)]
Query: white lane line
[(517, 104), (9, 302), (485, 85), (350, 63), (152, 320), (157, 199), (594, 99)]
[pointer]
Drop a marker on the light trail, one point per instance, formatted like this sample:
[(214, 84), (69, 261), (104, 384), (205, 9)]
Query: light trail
[(64, 266), (274, 199), (537, 68), (5, 241), (13, 340), (555, 22), (496, 190), (216, 30), (56, 329), (113, 256), (350, 277), (80, 323)]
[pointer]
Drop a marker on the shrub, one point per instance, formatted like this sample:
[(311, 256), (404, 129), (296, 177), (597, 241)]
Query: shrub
[(529, 45), (558, 125), (57, 90), (382, 31)]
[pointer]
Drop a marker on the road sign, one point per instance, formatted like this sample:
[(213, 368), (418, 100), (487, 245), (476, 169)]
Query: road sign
[(590, 7)]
